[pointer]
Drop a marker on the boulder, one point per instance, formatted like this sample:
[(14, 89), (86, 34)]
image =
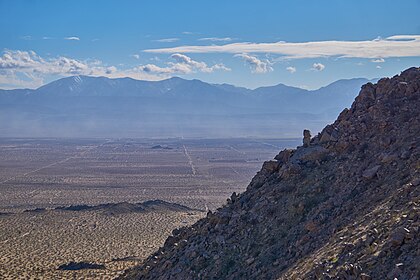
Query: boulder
[(312, 153), (371, 172), (306, 138), (270, 166), (284, 156)]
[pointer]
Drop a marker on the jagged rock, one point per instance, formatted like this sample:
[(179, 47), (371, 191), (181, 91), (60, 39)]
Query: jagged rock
[(312, 153), (233, 197), (387, 158), (344, 206), (306, 138), (284, 156), (365, 276), (311, 226), (270, 166), (397, 237), (371, 172), (405, 154), (289, 169), (325, 137)]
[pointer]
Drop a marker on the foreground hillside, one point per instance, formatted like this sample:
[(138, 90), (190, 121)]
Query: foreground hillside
[(345, 205)]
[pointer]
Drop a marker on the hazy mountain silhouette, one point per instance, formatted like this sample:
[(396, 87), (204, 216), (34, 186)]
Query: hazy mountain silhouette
[(83, 106)]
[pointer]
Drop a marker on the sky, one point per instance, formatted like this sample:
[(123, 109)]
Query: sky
[(307, 44)]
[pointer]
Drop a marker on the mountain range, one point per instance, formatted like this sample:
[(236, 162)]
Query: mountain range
[(83, 106)]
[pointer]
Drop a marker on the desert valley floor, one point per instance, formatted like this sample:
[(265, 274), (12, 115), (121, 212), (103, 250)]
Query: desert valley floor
[(41, 178)]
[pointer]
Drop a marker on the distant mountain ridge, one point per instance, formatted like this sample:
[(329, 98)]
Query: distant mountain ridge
[(99, 106)]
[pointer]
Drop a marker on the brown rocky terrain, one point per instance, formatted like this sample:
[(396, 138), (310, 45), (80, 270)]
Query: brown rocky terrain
[(345, 205)]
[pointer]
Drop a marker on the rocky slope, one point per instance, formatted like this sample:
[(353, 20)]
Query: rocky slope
[(345, 205)]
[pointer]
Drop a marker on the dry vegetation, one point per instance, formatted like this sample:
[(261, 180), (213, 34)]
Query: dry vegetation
[(35, 244), (50, 173)]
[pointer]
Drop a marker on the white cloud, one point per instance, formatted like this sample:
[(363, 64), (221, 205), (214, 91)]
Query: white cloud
[(31, 63), (73, 38), (291, 69), (67, 66), (183, 65), (28, 69), (394, 46), (378, 67), (402, 37), (188, 61), (257, 65), (27, 37), (188, 33), (46, 38), (216, 39), (167, 40), (136, 56), (152, 68), (378, 60), (318, 66)]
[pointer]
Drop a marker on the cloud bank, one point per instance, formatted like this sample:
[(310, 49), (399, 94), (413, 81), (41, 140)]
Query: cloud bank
[(30, 63), (258, 66), (183, 65), (393, 46), (28, 69)]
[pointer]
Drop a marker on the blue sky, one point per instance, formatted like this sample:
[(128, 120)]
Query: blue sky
[(300, 43)]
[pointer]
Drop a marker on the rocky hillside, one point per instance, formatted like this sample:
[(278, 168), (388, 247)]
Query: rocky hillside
[(345, 205)]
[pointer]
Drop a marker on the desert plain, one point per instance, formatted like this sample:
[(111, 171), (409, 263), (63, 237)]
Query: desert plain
[(109, 203)]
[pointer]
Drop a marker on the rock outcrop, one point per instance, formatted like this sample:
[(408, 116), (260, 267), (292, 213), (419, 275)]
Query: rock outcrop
[(343, 206)]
